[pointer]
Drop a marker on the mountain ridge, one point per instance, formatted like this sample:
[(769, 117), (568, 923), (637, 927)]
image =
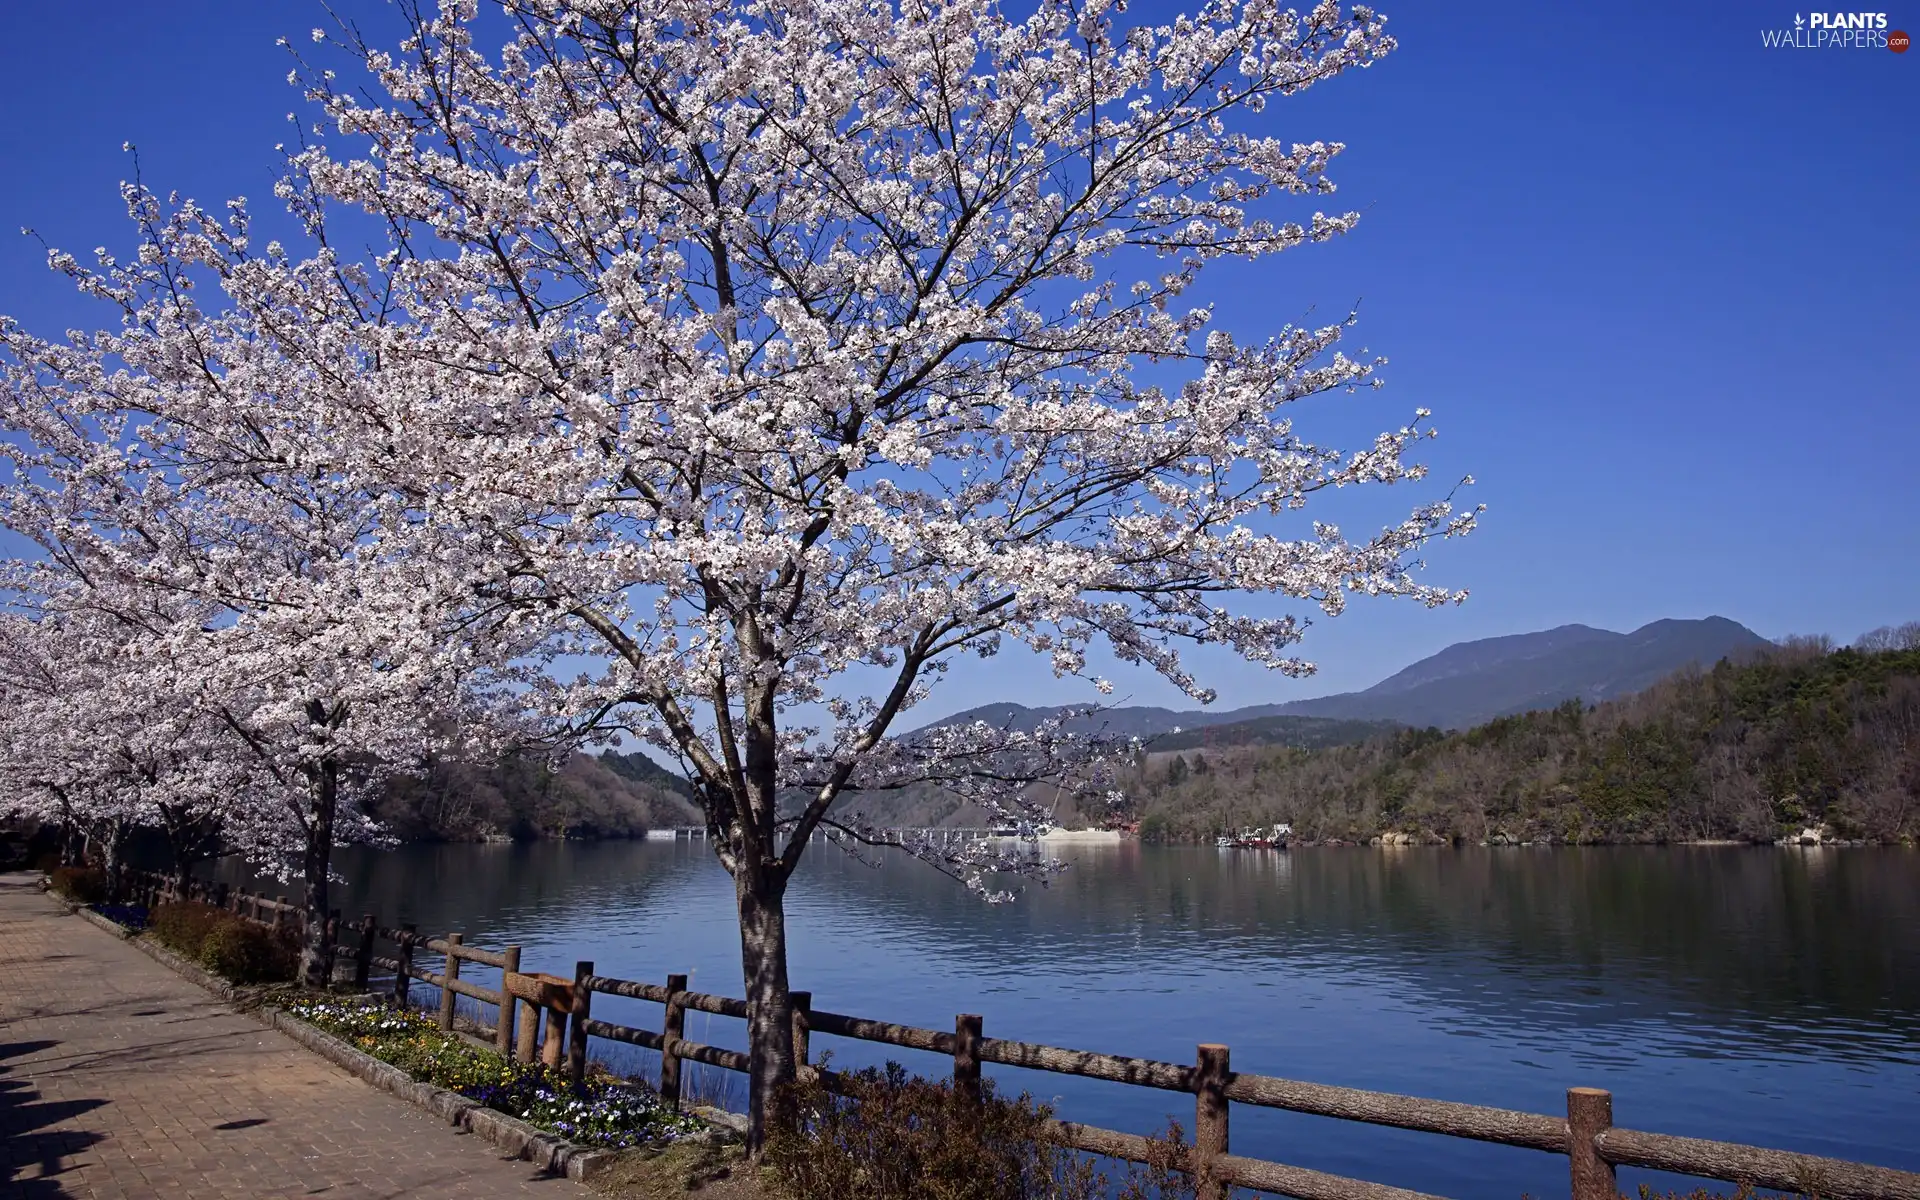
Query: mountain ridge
[(1465, 684)]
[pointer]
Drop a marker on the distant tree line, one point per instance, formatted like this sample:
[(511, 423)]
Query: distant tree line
[(1803, 734), (524, 797)]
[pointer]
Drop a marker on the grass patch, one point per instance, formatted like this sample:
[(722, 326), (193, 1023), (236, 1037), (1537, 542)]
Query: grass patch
[(601, 1111), (705, 1168)]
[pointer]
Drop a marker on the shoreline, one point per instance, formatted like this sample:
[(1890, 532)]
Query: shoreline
[(1111, 837), (1556, 843)]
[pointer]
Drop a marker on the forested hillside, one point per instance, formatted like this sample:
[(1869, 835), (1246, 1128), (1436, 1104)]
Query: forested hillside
[(1800, 736), (1308, 733), (592, 796)]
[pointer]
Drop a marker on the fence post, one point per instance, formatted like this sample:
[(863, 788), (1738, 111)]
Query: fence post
[(529, 1049), (1209, 1119), (363, 958), (331, 935), (577, 1023), (966, 1054), (672, 1029), (280, 916), (503, 1028), (403, 978), (1589, 1112), (452, 973), (553, 1040), (802, 1023)]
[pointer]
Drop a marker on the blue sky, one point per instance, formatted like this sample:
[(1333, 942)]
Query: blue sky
[(1660, 286)]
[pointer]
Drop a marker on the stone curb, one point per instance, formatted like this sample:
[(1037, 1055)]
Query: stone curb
[(193, 972), (93, 918), (510, 1134)]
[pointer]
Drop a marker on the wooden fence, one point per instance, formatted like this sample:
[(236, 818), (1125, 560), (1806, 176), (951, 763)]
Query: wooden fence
[(1585, 1134), (148, 888)]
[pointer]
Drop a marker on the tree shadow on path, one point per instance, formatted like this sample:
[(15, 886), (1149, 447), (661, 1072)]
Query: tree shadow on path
[(33, 1152)]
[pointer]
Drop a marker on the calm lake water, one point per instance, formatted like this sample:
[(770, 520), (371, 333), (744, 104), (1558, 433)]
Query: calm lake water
[(1752, 994)]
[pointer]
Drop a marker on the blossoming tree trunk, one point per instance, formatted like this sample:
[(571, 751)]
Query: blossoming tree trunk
[(763, 962), (317, 862)]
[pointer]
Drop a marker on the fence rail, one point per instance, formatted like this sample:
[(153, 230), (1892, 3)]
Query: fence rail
[(524, 1001)]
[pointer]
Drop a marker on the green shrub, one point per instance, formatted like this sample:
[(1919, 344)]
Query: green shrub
[(183, 928), (244, 952), (82, 885), (225, 943), (886, 1136)]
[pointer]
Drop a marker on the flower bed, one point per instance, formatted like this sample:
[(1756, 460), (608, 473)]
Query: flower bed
[(602, 1111), (128, 916)]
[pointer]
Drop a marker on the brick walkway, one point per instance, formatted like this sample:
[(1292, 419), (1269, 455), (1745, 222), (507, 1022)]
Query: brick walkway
[(119, 1078)]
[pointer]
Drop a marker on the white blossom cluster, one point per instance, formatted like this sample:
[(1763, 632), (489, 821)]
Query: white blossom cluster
[(735, 349), (218, 631)]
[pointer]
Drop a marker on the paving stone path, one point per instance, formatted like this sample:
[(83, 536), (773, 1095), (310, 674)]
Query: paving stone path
[(120, 1079)]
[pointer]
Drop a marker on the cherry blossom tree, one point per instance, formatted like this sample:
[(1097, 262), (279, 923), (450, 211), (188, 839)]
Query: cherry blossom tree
[(774, 356), (177, 473), (100, 732)]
